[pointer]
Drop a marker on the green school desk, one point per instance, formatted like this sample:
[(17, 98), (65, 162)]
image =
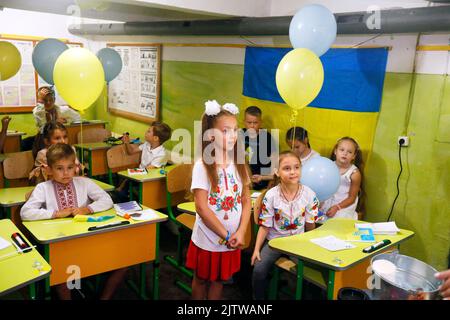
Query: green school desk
[(346, 268), (13, 141), (152, 187), (67, 243), (19, 270), (73, 129), (187, 207), (12, 198), (96, 157)]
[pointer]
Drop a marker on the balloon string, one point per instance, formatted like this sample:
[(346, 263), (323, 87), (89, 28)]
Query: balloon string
[(82, 144), (293, 120)]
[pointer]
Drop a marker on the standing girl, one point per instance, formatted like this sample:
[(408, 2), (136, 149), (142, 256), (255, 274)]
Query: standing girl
[(348, 157), (287, 209), (220, 184)]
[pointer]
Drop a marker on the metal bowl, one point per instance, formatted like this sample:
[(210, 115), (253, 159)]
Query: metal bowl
[(412, 279)]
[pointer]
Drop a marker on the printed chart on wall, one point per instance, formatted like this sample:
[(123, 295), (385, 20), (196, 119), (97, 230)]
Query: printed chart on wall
[(18, 93), (134, 93), (20, 90)]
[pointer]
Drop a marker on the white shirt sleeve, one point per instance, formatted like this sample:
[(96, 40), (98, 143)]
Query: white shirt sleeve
[(267, 211), (199, 177), (39, 115), (35, 207), (101, 200)]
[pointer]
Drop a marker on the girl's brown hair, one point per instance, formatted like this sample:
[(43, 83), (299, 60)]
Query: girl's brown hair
[(42, 139), (208, 123), (276, 179), (358, 154)]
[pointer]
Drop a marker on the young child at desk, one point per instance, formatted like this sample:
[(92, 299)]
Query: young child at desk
[(46, 110), (260, 147), (66, 195), (52, 133), (153, 152), (220, 184), (287, 209), (297, 139), (348, 157), (4, 132)]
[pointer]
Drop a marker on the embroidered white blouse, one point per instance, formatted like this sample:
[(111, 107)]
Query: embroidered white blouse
[(286, 218), (50, 196)]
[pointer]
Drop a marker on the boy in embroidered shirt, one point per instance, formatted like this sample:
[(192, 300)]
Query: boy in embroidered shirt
[(66, 195), (153, 151)]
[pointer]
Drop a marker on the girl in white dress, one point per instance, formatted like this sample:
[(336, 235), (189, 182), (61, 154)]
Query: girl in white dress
[(348, 157)]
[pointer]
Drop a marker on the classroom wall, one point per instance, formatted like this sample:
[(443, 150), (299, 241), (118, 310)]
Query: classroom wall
[(192, 75), (423, 205), (37, 24)]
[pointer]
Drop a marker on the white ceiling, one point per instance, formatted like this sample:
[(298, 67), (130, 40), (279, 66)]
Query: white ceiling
[(160, 10)]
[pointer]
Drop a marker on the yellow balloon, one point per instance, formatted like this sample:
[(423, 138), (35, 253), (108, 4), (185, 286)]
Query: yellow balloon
[(299, 77), (79, 77), (10, 60)]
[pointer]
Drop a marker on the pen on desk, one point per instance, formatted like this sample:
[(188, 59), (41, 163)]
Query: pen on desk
[(377, 246), (109, 225)]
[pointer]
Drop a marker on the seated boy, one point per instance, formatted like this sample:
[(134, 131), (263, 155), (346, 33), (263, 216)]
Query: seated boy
[(67, 195), (261, 148), (153, 151)]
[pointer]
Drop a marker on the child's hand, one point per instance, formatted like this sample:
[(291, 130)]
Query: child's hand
[(255, 256), (150, 167), (256, 178), (64, 213), (332, 211), (61, 120), (236, 240), (5, 122), (126, 138), (82, 211)]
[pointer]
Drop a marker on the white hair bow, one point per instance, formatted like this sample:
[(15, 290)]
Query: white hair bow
[(212, 108)]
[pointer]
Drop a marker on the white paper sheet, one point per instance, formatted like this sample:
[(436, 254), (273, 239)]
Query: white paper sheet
[(332, 243)]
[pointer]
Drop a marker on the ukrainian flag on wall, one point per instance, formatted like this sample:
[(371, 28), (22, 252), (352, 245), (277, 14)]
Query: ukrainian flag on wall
[(347, 105)]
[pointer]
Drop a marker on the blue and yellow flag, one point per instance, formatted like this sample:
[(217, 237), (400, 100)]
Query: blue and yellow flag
[(347, 105)]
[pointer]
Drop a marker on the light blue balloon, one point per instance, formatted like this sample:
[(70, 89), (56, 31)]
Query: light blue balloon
[(45, 55), (313, 27), (322, 176), (111, 61)]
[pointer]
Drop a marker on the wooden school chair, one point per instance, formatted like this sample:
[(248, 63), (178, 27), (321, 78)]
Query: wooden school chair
[(119, 160), (311, 274), (178, 180), (93, 135), (17, 167)]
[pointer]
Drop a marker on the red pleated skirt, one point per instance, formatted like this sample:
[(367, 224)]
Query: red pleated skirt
[(213, 266)]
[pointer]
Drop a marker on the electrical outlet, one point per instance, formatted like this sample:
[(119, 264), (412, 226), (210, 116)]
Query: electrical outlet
[(403, 141)]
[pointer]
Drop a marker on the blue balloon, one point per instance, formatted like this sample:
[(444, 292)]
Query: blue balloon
[(313, 27), (111, 61), (322, 176), (45, 55)]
